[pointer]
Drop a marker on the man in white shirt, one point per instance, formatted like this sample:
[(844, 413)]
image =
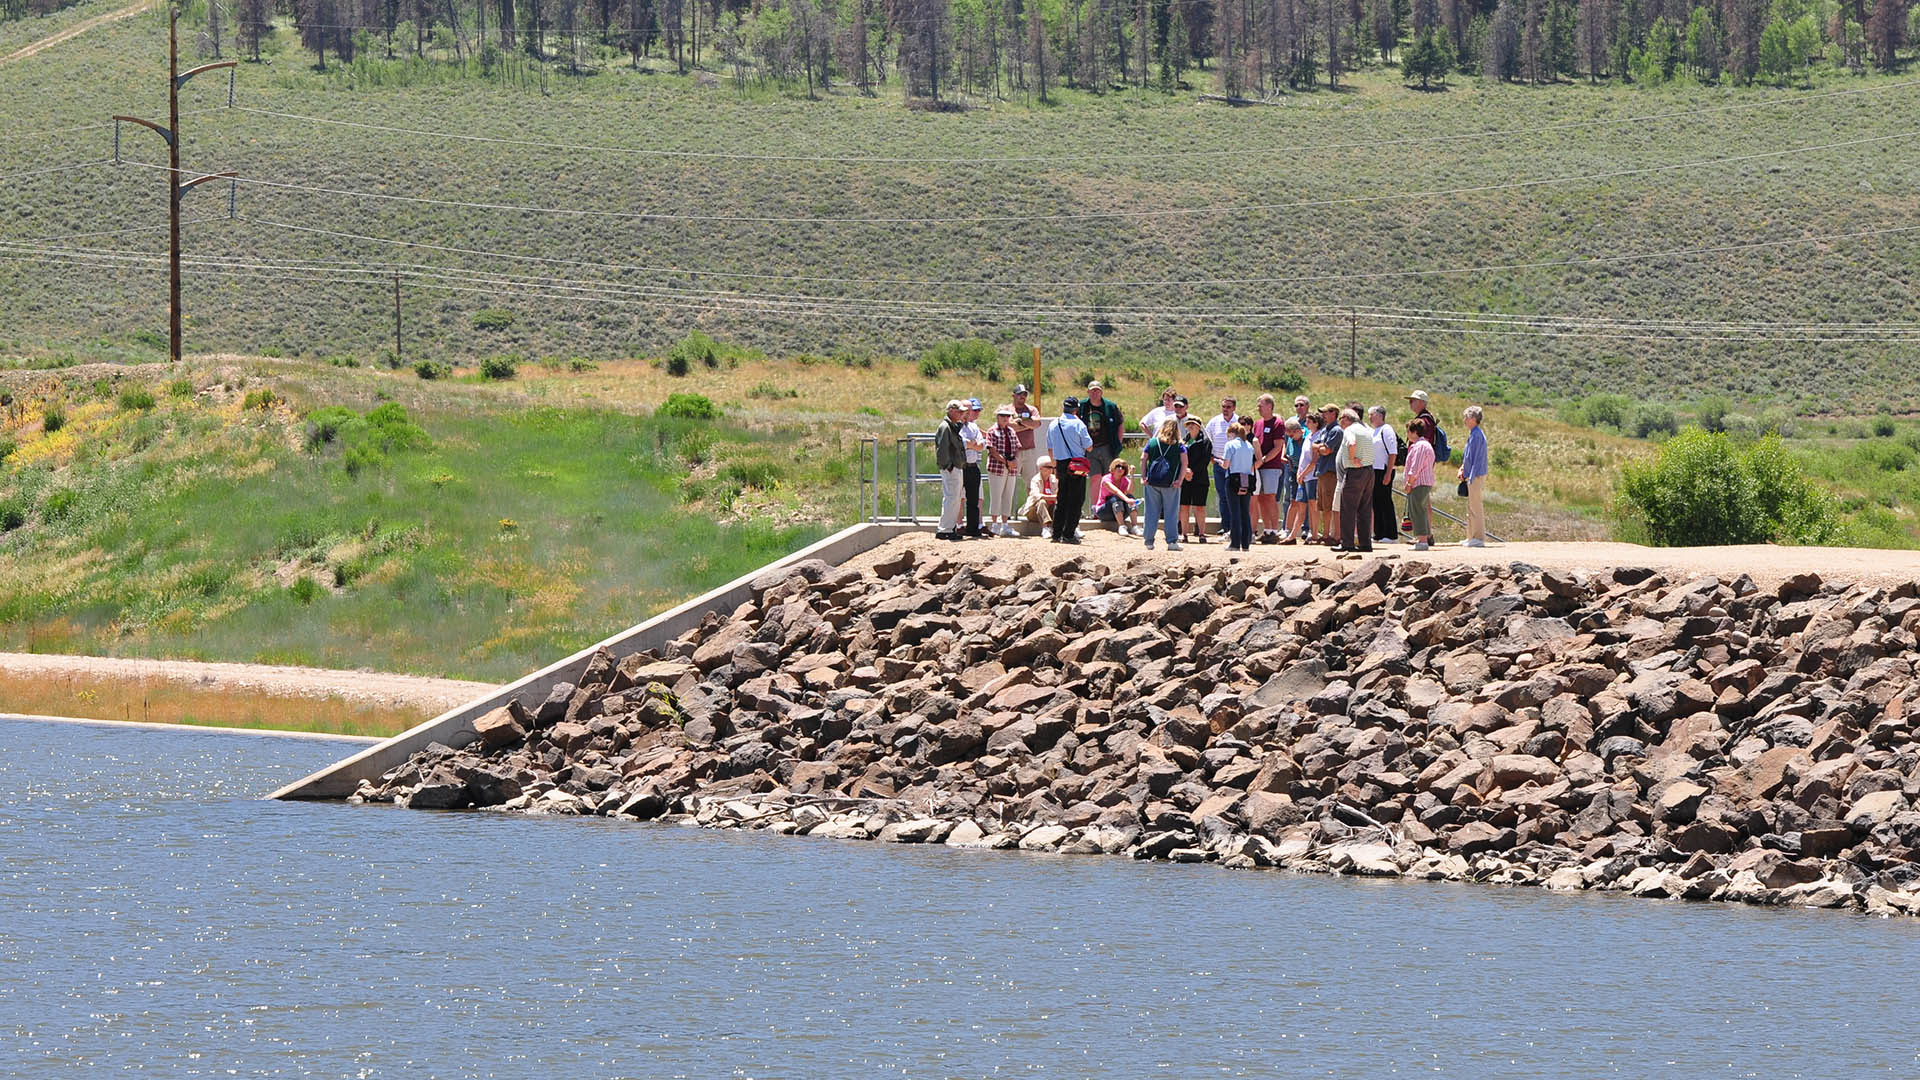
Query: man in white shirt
[(1220, 432), (1386, 454), (1150, 423)]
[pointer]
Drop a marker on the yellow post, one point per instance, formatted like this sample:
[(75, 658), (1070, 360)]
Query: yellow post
[(1036, 375)]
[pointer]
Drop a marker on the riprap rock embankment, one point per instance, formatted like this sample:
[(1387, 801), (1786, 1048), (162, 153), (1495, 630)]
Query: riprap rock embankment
[(1697, 739)]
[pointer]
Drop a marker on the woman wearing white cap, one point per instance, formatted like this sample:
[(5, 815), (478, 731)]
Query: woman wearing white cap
[(1042, 492), (1003, 470)]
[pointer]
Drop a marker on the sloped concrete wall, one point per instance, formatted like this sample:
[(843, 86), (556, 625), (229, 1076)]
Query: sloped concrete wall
[(455, 727)]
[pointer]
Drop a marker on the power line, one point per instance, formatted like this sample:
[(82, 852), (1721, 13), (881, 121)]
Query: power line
[(55, 169), (1088, 215), (1581, 261), (850, 308), (1396, 142)]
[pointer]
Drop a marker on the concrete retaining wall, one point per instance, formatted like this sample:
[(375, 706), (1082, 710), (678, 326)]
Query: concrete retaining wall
[(454, 727)]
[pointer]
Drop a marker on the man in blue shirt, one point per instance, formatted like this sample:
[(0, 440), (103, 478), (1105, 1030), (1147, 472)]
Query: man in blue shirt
[(1067, 439), (1474, 468)]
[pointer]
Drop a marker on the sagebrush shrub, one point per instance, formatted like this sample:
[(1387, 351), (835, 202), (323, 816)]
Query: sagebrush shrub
[(688, 407)]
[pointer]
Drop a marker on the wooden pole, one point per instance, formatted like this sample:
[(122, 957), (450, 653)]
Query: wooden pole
[(173, 181), (396, 320), (1036, 374)]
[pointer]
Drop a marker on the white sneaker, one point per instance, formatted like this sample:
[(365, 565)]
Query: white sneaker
[(1046, 533), (1173, 546), (1472, 543)]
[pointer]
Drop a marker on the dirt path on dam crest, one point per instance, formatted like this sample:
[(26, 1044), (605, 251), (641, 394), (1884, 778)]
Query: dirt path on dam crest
[(1766, 564)]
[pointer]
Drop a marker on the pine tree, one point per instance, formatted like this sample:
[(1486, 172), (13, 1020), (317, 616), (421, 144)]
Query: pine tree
[(1428, 58)]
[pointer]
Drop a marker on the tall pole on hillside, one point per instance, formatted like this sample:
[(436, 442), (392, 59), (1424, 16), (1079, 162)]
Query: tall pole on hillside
[(396, 320), (1353, 345), (175, 189)]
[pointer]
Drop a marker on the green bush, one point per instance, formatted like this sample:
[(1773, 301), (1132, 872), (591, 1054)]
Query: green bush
[(180, 388), (688, 407), (1650, 419), (432, 369), (12, 516), (970, 356), (1711, 413), (1283, 380), (324, 424), (498, 367), (769, 390), (1703, 489), (1607, 411), (695, 348), (365, 441), (7, 447), (54, 418), (755, 475), (59, 505), (136, 399), (304, 589), (492, 319), (1884, 456), (262, 398), (1883, 426)]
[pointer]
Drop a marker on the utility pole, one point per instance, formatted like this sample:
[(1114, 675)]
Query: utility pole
[(396, 320), (1353, 345), (171, 133)]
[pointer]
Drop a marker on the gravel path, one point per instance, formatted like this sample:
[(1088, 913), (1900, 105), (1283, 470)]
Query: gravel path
[(1767, 565), (367, 687)]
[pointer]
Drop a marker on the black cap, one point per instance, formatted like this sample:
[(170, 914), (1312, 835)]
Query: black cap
[(1071, 403), (1179, 399)]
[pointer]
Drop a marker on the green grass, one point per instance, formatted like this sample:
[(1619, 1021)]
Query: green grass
[(112, 313), (213, 531)]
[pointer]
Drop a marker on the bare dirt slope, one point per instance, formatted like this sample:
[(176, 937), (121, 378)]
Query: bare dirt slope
[(75, 31), (360, 687), (1766, 564)]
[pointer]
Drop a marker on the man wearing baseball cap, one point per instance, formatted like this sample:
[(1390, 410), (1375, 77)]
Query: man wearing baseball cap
[(976, 443), (1067, 444), (1102, 418), (950, 456), (1026, 427)]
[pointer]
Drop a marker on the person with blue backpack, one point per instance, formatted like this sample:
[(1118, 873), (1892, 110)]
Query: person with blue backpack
[(1162, 465)]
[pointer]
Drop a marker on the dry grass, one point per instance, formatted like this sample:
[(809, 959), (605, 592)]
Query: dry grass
[(162, 701)]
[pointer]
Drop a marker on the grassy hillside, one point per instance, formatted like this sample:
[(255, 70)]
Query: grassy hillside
[(1385, 141)]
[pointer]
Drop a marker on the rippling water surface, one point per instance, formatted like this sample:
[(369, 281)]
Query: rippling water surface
[(155, 916)]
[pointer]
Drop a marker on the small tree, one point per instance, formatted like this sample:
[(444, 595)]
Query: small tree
[(1703, 489), (1428, 58)]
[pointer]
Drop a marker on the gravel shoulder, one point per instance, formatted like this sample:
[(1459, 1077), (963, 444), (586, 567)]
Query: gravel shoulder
[(362, 687), (1766, 564)]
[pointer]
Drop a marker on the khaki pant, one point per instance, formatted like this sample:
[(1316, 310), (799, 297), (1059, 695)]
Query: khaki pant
[(1477, 508), (1030, 465), (1037, 511)]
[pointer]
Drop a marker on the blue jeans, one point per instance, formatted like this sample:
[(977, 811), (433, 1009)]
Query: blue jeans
[(1220, 486), (1163, 504)]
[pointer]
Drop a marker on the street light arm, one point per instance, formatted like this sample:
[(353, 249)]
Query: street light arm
[(181, 79), (198, 180), (155, 128)]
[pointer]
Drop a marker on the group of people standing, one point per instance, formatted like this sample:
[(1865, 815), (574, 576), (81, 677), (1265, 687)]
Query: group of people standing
[(1319, 476)]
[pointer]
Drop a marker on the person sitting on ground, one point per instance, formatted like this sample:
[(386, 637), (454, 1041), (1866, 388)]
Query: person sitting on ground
[(1003, 470), (1474, 469), (950, 456), (1163, 463), (1241, 481), (1115, 502), (1193, 489), (1306, 487), (1420, 484), (1042, 491)]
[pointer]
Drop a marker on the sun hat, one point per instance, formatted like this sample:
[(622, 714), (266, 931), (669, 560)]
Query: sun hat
[(955, 403), (1044, 463), (1417, 395), (1004, 410), (1095, 385)]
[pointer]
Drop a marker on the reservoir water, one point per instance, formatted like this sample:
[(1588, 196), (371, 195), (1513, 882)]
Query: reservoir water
[(157, 917)]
